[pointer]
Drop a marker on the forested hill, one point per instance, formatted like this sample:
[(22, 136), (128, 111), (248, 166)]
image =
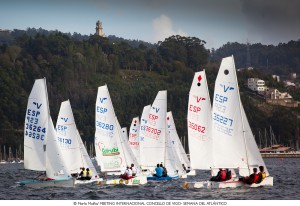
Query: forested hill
[(75, 67), (281, 59)]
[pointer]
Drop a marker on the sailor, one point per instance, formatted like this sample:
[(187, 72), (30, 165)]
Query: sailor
[(82, 174), (88, 174), (253, 178), (133, 169), (127, 174), (165, 172), (221, 176), (158, 171), (261, 175)]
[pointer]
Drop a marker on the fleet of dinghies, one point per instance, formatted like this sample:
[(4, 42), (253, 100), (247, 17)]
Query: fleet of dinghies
[(219, 136)]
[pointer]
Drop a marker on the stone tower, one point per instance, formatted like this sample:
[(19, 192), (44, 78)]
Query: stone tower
[(99, 28)]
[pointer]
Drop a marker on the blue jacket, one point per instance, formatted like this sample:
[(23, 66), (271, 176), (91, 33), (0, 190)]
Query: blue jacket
[(159, 171)]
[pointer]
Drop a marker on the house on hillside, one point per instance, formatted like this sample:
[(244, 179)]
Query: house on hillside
[(256, 85)]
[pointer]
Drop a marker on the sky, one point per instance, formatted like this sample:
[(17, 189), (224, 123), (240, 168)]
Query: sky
[(214, 21)]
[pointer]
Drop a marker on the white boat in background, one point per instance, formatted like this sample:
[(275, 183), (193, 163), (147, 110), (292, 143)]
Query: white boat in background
[(233, 144), (41, 150), (134, 138), (71, 144), (177, 145), (113, 153), (155, 144)]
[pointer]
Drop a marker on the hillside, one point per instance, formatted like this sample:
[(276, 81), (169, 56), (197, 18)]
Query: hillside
[(74, 69)]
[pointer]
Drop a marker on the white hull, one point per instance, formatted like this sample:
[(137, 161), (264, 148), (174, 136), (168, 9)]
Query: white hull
[(48, 183), (268, 181), (191, 173), (88, 181), (114, 173), (139, 180)]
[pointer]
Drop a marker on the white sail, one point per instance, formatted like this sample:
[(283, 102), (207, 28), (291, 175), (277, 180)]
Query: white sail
[(183, 159), (67, 138), (134, 141), (35, 130), (172, 161), (234, 145), (73, 149), (107, 134), (128, 154), (152, 144), (199, 123), (56, 166), (254, 157)]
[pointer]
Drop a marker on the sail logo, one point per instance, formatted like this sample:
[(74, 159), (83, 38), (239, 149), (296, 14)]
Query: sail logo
[(156, 109), (102, 99), (37, 105), (134, 130), (226, 88), (144, 120), (110, 152), (64, 119), (142, 139), (199, 80), (199, 99)]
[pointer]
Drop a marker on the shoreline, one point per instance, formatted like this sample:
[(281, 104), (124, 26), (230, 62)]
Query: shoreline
[(281, 155)]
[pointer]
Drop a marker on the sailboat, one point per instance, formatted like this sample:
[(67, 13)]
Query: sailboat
[(113, 153), (134, 138), (179, 152), (71, 145), (233, 144), (41, 150), (155, 145)]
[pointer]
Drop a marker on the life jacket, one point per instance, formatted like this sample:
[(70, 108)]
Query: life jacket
[(228, 175), (261, 177), (223, 175), (84, 173), (89, 173), (253, 178)]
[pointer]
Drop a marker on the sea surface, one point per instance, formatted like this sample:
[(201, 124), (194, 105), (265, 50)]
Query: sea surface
[(286, 173)]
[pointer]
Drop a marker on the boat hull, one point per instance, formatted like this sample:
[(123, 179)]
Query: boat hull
[(47, 183), (191, 173), (139, 180), (88, 181), (268, 181), (153, 178)]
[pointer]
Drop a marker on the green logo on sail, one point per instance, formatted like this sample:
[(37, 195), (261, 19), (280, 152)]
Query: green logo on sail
[(110, 152)]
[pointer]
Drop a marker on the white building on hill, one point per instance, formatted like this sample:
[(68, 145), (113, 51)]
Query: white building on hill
[(256, 85)]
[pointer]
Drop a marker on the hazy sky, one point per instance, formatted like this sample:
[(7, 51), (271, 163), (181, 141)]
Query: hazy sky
[(215, 21)]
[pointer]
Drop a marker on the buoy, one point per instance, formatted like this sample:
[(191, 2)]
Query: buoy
[(185, 184)]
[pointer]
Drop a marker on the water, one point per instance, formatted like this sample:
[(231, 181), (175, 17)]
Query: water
[(286, 175)]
